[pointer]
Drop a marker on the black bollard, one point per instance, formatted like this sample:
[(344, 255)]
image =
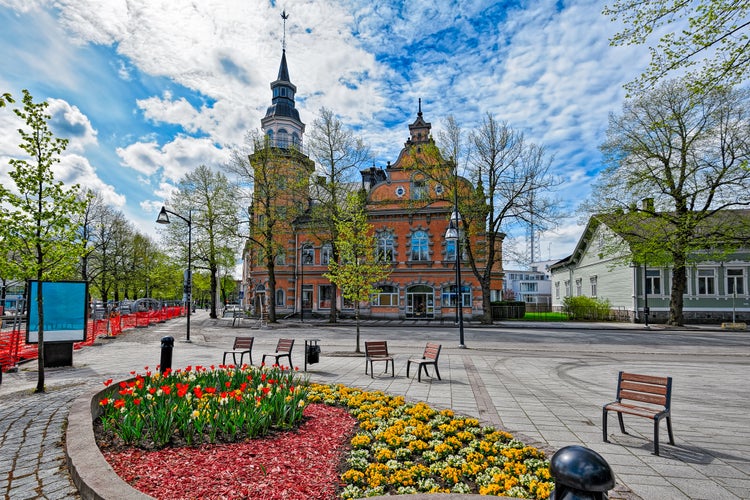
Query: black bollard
[(167, 344), (580, 474)]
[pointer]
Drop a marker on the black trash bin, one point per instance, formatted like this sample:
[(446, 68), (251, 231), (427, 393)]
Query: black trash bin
[(313, 354)]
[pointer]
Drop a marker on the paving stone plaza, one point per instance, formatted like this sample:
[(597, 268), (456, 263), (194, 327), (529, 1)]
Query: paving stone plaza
[(546, 383)]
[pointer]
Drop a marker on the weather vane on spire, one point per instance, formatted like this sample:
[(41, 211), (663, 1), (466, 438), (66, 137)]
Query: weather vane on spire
[(284, 16)]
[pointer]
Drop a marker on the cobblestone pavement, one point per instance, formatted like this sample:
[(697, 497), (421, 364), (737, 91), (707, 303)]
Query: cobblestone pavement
[(545, 384)]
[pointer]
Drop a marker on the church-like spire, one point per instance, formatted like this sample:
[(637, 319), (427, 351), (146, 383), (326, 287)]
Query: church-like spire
[(282, 123), (419, 131)]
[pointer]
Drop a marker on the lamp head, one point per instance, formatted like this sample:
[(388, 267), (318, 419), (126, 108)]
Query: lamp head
[(451, 234), (163, 218)]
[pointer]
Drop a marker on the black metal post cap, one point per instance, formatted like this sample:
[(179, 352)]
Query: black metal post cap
[(581, 468), (167, 341)]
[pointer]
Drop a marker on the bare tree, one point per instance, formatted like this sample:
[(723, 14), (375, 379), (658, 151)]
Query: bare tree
[(686, 153), (513, 179), (339, 156)]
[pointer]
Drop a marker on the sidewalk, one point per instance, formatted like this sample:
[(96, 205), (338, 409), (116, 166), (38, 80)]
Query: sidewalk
[(545, 383)]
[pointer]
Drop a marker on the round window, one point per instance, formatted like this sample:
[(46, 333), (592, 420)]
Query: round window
[(439, 189)]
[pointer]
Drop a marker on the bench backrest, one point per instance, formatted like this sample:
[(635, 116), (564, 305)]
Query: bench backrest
[(432, 351), (645, 389), (285, 345), (376, 349), (243, 343)]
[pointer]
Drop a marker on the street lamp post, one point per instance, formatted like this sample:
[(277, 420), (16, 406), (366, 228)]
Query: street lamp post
[(302, 284), (163, 218), (645, 293), (452, 234)]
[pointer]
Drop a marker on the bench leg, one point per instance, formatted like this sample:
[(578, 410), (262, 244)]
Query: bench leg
[(408, 364), (669, 430), (656, 437), (393, 368), (437, 372), (622, 424), (604, 425), (224, 359)]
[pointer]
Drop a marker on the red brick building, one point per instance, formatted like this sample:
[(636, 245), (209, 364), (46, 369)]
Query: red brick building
[(409, 209)]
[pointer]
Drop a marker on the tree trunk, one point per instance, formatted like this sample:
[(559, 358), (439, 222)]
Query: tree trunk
[(213, 285), (357, 350), (271, 292), (40, 345), (679, 285), (486, 305), (332, 315)]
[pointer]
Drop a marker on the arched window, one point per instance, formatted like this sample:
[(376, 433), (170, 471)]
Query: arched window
[(385, 251), (280, 258), (282, 139), (280, 298), (418, 188), (326, 252), (308, 254), (450, 250), (269, 135), (296, 140), (420, 246)]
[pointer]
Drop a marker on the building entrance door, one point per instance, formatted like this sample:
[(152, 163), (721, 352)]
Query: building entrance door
[(420, 302)]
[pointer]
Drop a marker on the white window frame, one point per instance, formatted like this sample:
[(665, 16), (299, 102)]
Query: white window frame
[(734, 280), (421, 251), (708, 282)]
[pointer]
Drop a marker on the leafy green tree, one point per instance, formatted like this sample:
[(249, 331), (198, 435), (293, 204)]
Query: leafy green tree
[(6, 98), (676, 161), (359, 268), (339, 156), (211, 202), (278, 179), (714, 45), (39, 215)]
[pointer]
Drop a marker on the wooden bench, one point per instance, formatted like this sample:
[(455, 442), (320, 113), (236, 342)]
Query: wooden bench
[(242, 346), (429, 357), (377, 350), (283, 350), (654, 397)]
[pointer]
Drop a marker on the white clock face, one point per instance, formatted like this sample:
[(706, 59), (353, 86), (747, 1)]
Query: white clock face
[(400, 191), (439, 189)]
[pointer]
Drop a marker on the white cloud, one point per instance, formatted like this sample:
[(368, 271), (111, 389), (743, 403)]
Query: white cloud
[(174, 159), (68, 122), (76, 169)]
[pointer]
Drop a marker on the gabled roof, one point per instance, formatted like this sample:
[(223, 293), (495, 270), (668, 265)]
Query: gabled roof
[(716, 226)]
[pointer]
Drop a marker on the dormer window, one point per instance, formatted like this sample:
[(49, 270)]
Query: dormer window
[(283, 91)]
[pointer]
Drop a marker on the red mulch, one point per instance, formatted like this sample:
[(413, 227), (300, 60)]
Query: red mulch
[(300, 464)]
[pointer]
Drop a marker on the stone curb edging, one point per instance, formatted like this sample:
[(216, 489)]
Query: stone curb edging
[(92, 475)]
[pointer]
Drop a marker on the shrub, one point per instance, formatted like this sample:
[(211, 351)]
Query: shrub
[(582, 307)]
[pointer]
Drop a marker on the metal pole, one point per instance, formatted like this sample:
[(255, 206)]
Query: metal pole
[(302, 284), (190, 272), (459, 302), (645, 292)]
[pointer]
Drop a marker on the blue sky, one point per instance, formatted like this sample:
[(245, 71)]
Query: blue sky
[(146, 91)]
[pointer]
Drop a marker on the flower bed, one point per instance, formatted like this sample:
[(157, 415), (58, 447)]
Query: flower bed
[(308, 450), (405, 448)]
